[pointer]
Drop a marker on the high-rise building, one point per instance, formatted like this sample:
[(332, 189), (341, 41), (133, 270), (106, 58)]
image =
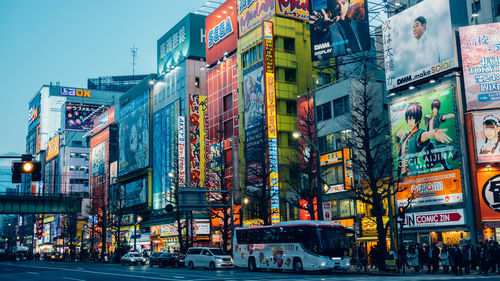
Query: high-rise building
[(119, 83)]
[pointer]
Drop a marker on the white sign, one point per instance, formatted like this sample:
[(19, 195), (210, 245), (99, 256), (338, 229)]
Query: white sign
[(327, 211), (434, 218), (202, 228), (181, 127), (335, 188)]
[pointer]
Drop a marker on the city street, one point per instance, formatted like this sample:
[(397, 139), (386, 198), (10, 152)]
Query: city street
[(93, 271)]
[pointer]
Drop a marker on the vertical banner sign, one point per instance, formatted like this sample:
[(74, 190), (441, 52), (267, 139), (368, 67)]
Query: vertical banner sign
[(348, 176), (272, 128), (181, 139), (194, 135), (327, 211), (203, 138)]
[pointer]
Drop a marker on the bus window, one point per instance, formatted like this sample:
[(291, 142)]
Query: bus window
[(332, 241)]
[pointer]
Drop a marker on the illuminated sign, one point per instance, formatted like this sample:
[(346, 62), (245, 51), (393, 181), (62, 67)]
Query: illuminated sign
[(331, 158), (297, 9), (272, 131), (75, 92), (49, 219), (434, 218), (220, 32), (52, 148), (181, 135), (33, 114), (252, 12)]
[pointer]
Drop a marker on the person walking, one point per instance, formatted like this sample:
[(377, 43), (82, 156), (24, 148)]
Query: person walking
[(412, 258), (468, 254), (434, 258), (422, 257), (457, 258), (444, 257)]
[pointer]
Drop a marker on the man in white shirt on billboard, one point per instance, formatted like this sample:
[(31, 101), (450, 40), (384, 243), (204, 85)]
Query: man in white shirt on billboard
[(426, 52)]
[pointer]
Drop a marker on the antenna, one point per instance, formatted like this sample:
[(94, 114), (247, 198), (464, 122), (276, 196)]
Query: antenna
[(133, 51)]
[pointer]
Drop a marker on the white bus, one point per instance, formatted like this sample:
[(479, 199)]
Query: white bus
[(293, 245)]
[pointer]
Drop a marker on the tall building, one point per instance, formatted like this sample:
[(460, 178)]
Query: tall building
[(274, 67), (119, 83)]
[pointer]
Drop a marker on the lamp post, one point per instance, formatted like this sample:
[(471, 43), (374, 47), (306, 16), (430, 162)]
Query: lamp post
[(138, 219), (319, 190), (246, 202)]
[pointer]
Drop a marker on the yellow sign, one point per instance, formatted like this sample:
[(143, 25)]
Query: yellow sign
[(49, 219), (348, 177), (344, 222), (52, 148), (297, 9), (369, 225), (331, 158)]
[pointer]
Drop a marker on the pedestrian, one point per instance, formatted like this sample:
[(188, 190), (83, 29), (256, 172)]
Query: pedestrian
[(373, 257), (457, 260), (362, 256), (422, 258), (444, 257), (467, 253), (412, 258), (434, 257)]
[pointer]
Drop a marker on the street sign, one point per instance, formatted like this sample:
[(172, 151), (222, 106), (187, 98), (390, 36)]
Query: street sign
[(435, 218)]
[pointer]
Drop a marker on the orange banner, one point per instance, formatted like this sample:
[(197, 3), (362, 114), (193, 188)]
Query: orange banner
[(52, 148), (431, 189), (488, 183), (331, 158)]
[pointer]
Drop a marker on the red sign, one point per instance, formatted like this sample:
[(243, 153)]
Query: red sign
[(435, 218), (221, 31)]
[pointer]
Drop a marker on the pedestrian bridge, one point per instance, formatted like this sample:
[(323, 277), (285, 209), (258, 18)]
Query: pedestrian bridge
[(19, 203)]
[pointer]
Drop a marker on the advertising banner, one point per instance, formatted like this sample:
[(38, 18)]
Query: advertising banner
[(52, 148), (487, 136), (331, 158), (34, 112), (134, 135), (201, 228), (166, 230), (203, 139), (98, 158), (348, 174), (424, 133), (185, 39), (194, 138), (369, 225), (295, 9), (113, 171), (222, 32), (432, 189), (434, 218), (252, 13), (327, 211), (80, 117), (489, 195), (338, 28), (181, 141), (418, 43), (254, 110), (135, 192), (104, 119), (480, 45), (271, 117)]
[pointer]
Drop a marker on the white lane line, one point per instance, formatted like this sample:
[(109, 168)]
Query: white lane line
[(69, 278), (30, 272), (179, 277)]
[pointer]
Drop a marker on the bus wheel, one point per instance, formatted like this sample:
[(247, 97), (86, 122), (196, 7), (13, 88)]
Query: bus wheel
[(251, 264), (297, 266)]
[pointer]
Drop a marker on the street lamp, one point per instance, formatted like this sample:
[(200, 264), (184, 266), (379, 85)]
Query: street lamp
[(138, 219), (319, 189)]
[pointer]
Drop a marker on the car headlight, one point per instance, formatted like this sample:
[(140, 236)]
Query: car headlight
[(347, 264), (218, 259), (323, 263)]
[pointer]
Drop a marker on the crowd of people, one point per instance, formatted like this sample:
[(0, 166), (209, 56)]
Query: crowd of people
[(484, 257)]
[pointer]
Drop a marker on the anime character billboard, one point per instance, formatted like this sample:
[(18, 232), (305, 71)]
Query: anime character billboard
[(487, 136), (423, 128)]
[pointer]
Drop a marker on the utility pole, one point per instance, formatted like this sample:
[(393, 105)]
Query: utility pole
[(133, 51)]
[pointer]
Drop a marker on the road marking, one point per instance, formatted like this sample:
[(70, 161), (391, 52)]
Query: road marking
[(69, 278), (30, 272), (179, 277)]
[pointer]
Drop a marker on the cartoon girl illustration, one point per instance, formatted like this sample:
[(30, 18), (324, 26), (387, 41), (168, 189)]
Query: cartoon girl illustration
[(491, 131)]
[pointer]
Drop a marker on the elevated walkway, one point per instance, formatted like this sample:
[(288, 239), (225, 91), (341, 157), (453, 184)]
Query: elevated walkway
[(15, 203)]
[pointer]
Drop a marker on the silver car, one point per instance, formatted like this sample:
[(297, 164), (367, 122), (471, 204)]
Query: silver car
[(133, 258)]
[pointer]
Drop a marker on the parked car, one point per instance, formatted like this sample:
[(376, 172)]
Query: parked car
[(53, 256), (170, 259), (153, 259), (211, 258), (133, 258)]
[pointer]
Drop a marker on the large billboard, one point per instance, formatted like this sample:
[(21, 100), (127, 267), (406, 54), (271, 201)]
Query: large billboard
[(254, 113), (98, 158), (486, 127), (135, 192), (338, 28), (134, 135), (418, 43), (52, 148), (222, 31), (296, 9), (489, 195), (424, 133), (185, 39), (252, 13), (480, 45), (194, 139), (103, 120), (432, 189), (79, 116)]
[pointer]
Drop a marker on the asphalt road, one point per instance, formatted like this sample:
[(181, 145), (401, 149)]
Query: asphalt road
[(93, 271)]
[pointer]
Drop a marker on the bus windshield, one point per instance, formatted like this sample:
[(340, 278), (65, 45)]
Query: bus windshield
[(332, 241)]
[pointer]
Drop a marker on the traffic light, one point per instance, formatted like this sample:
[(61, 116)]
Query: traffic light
[(401, 212), (26, 166)]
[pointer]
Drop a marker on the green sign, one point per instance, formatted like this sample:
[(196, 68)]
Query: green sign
[(423, 129), (185, 39)]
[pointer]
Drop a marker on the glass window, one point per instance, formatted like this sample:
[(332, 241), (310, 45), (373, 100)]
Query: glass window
[(343, 138), (291, 107), (335, 211), (341, 106), (289, 44), (290, 75), (227, 102), (346, 207), (197, 82), (324, 112)]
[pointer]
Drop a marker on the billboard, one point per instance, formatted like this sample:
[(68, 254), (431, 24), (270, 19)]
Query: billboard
[(98, 156), (297, 9), (79, 116), (254, 113), (489, 195), (418, 43), (52, 148), (134, 135), (135, 192), (338, 29), (181, 148), (271, 117), (432, 189), (185, 39), (480, 45), (108, 117), (221, 31), (195, 138), (252, 13), (425, 138), (486, 126), (434, 218)]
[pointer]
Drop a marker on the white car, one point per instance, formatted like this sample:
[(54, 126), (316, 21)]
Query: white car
[(133, 258), (211, 258)]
